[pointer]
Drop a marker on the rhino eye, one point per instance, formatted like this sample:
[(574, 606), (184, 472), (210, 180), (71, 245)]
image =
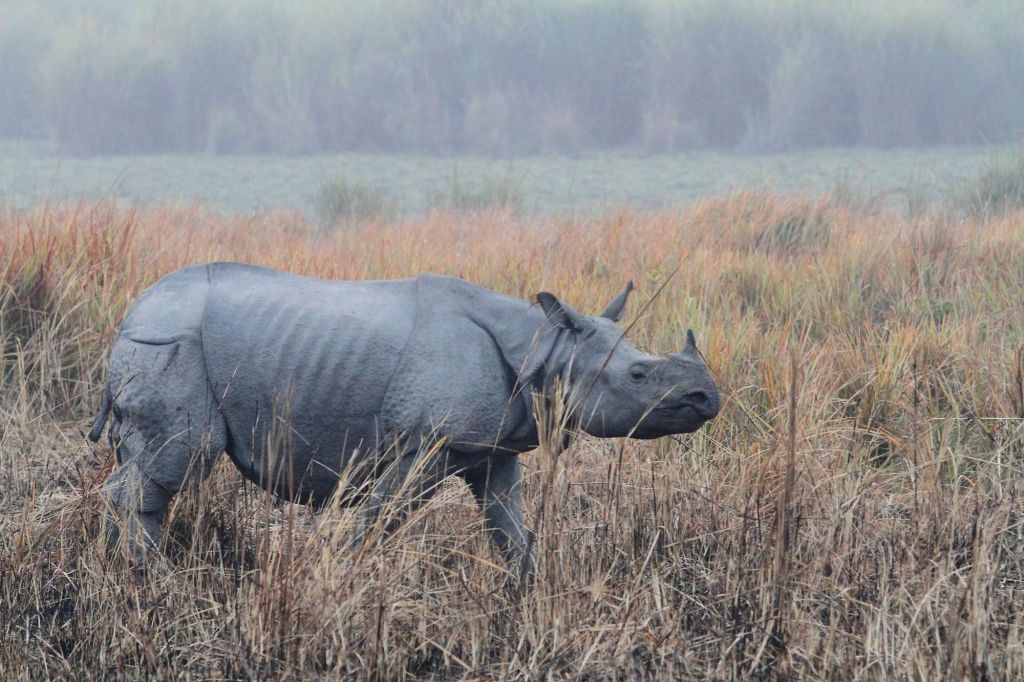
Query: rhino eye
[(638, 372)]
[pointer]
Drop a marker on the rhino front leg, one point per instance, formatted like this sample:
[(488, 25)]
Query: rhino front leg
[(497, 486), (401, 489)]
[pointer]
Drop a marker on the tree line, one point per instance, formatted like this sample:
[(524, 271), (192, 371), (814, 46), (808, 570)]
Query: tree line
[(509, 77)]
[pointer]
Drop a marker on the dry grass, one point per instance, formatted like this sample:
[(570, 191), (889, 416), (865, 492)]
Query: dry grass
[(855, 511)]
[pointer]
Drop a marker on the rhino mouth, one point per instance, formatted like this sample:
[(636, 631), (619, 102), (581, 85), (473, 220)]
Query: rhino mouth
[(685, 413), (703, 405), (669, 419)]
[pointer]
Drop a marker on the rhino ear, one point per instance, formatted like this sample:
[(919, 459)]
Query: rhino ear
[(614, 310), (560, 314)]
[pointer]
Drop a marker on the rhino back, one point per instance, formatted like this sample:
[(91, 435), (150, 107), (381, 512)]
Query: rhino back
[(319, 353)]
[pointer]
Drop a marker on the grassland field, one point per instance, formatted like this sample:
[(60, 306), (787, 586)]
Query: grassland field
[(410, 185), (855, 512)]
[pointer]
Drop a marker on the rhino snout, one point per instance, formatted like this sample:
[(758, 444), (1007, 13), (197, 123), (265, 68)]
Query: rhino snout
[(705, 403)]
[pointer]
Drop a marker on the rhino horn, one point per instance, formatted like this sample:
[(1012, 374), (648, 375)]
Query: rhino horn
[(689, 351)]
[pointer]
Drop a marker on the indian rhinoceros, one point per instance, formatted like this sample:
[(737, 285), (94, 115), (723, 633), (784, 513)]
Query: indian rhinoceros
[(305, 382)]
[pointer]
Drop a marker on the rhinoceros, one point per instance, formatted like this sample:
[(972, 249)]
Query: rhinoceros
[(307, 382)]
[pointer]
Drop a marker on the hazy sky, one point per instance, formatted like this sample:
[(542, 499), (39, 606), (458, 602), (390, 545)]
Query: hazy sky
[(508, 78)]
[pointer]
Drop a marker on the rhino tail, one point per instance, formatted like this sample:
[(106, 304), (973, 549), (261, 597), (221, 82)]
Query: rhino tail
[(101, 419)]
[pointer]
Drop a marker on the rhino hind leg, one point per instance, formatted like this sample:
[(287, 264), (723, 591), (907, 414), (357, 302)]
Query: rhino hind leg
[(167, 431), (138, 504)]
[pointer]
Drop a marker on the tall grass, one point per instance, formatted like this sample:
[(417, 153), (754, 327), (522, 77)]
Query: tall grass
[(489, 192), (997, 189), (343, 201), (853, 512)]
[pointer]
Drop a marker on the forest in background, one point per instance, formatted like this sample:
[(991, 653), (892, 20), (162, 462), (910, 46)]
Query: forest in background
[(517, 77)]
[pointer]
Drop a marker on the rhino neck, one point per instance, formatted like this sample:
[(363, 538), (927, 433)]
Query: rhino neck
[(555, 420), (537, 357), (540, 356), (528, 343)]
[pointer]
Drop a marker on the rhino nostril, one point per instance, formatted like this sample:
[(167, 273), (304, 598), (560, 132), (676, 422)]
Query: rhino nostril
[(697, 398), (702, 402)]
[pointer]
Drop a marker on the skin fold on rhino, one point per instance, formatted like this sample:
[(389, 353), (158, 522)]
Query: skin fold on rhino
[(306, 382)]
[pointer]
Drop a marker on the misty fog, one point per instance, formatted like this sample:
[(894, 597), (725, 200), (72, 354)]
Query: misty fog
[(506, 78)]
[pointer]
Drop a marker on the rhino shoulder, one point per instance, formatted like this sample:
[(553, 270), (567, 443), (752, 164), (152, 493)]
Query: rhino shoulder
[(454, 379)]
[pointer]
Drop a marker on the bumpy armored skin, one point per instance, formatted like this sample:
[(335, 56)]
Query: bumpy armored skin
[(305, 382)]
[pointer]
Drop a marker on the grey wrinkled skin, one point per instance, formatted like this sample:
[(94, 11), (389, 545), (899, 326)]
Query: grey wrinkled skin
[(307, 382)]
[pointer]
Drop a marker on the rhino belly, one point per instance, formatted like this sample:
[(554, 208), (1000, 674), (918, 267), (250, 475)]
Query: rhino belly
[(301, 381)]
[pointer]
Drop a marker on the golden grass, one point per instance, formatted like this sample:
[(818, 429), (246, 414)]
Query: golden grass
[(855, 510)]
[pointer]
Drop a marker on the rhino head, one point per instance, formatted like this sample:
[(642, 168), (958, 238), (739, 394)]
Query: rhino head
[(614, 389)]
